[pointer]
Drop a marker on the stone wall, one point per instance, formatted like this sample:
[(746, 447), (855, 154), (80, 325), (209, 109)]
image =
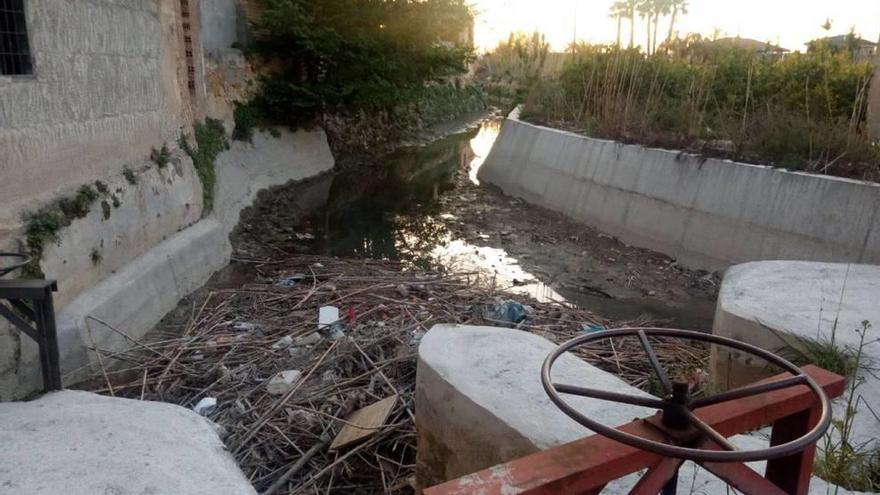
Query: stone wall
[(99, 97), (708, 213), (134, 297), (99, 102)]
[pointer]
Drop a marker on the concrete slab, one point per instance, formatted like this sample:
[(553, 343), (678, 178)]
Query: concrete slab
[(775, 303), (81, 443), (479, 399)]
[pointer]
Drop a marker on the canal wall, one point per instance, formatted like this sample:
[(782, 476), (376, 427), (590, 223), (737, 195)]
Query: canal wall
[(157, 247), (707, 213)]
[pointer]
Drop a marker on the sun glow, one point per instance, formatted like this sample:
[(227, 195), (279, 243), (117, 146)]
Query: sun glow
[(789, 23)]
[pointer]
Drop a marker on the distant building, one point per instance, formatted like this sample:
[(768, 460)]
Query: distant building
[(860, 49), (761, 47)]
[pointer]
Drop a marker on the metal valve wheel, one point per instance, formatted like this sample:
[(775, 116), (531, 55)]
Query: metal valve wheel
[(18, 261), (677, 406)]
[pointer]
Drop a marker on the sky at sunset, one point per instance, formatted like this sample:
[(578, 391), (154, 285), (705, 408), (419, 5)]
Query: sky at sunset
[(789, 23)]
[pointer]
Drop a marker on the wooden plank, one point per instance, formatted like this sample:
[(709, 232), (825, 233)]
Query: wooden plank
[(591, 462), (364, 422)]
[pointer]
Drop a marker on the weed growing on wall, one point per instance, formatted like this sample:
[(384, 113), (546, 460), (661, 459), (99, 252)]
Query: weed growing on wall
[(842, 460), (102, 188), (161, 157), (96, 256), (210, 141), (44, 225), (130, 176)]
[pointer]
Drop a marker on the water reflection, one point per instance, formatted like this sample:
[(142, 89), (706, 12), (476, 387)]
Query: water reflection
[(495, 268), (392, 212), (480, 145)]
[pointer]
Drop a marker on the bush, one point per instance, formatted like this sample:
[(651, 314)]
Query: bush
[(210, 138), (354, 55), (803, 111), (246, 118)]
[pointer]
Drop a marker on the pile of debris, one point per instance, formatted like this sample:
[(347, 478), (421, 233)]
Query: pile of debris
[(310, 368)]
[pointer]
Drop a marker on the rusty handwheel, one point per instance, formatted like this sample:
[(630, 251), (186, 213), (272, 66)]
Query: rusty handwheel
[(677, 406)]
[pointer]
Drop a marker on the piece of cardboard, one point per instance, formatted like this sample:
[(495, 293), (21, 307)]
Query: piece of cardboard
[(369, 420)]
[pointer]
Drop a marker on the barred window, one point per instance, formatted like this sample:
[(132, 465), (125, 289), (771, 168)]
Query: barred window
[(15, 53)]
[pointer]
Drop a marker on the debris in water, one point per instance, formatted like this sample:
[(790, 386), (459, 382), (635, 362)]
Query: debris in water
[(206, 406), (364, 422), (283, 381), (509, 311), (592, 328), (327, 315), (283, 342), (291, 281), (310, 339), (376, 359)]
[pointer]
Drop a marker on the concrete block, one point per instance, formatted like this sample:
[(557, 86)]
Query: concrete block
[(479, 399), (80, 443), (773, 304)]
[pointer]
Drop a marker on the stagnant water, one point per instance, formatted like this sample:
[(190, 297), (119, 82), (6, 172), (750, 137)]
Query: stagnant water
[(393, 210)]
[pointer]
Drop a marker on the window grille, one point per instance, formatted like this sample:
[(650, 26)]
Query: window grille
[(15, 53)]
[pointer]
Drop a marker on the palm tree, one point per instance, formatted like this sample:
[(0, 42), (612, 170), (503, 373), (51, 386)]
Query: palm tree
[(625, 9), (646, 12), (678, 7), (661, 7)]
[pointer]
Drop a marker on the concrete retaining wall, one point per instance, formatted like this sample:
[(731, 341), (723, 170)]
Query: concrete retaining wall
[(708, 213), (137, 293)]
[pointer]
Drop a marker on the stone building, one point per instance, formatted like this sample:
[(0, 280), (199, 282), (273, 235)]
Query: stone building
[(89, 90)]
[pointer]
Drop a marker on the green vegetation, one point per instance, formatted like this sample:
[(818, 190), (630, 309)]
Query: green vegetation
[(210, 141), (44, 225), (802, 111), (96, 256), (78, 205), (827, 355), (246, 118), (515, 67), (161, 157), (105, 209), (850, 465), (102, 188), (130, 176), (351, 56)]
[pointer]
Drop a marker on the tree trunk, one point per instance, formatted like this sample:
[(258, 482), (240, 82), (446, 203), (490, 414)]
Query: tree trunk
[(619, 19), (648, 41), (632, 28), (654, 43), (671, 24)]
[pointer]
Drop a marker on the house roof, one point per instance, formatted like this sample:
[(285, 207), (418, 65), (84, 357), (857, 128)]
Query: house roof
[(841, 39), (751, 44)]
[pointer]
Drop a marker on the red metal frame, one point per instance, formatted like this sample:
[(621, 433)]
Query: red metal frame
[(585, 466)]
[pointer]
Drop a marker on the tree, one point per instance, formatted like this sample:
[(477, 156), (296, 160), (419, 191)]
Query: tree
[(355, 53), (646, 12), (678, 7), (661, 7), (625, 9)]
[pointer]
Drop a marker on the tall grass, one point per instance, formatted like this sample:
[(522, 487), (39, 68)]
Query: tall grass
[(803, 111)]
